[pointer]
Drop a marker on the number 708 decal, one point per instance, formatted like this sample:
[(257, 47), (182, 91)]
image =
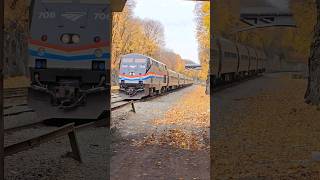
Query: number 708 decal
[(101, 16), (47, 15)]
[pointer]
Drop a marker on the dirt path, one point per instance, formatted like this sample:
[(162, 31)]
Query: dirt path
[(166, 139), (269, 133)]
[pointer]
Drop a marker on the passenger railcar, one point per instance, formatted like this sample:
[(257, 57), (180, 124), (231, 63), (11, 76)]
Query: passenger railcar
[(69, 58), (232, 61), (141, 76)]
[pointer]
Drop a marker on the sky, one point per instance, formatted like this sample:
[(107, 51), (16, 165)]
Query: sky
[(178, 19)]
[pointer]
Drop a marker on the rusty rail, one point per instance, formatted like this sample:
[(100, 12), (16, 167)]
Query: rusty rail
[(62, 131), (15, 93), (36, 141), (123, 105)]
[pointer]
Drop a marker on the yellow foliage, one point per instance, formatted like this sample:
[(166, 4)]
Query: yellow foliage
[(294, 43), (203, 36), (15, 14)]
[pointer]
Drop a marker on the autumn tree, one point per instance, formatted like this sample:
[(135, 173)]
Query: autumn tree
[(312, 95), (202, 11), (16, 29), (144, 36), (293, 43), (154, 36), (135, 35)]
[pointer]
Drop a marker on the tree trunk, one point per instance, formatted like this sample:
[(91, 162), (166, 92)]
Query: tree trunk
[(312, 95)]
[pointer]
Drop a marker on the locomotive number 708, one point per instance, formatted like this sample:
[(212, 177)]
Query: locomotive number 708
[(101, 16), (47, 15)]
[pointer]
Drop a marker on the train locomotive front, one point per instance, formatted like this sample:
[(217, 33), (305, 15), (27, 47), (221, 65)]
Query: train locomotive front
[(141, 76), (69, 58)]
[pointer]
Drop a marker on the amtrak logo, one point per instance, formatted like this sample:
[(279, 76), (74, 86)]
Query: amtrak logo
[(73, 16)]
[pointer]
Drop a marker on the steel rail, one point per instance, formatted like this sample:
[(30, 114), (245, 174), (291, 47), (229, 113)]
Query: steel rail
[(37, 141)]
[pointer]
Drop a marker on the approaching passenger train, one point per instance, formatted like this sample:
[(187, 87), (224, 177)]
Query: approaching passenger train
[(69, 58), (141, 76), (232, 61)]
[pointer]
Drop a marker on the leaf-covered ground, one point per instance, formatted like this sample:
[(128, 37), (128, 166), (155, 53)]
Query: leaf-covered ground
[(187, 123), (273, 137), (168, 138)]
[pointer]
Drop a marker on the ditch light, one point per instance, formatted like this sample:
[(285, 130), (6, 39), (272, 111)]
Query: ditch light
[(40, 63), (98, 65)]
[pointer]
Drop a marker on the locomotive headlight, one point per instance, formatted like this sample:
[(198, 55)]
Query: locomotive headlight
[(98, 65), (98, 53), (66, 38), (75, 38), (102, 66), (40, 63)]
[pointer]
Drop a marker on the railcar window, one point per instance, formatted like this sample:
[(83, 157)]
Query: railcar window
[(56, 1), (140, 60), (93, 1), (230, 55), (127, 60), (132, 66), (244, 57)]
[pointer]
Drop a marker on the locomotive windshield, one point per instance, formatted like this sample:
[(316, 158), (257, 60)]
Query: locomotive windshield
[(56, 1), (81, 1), (133, 66)]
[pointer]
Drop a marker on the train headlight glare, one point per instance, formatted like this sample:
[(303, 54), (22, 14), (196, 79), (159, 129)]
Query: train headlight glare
[(75, 38), (65, 38), (98, 53)]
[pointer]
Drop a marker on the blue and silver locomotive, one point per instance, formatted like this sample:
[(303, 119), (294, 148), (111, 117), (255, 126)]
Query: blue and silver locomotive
[(69, 58), (141, 76)]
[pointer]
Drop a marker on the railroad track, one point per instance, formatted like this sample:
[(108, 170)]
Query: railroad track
[(15, 93), (20, 109), (235, 83), (67, 128), (148, 98)]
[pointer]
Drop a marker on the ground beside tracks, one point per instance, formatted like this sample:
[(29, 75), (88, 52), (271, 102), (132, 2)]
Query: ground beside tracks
[(168, 138), (263, 129)]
